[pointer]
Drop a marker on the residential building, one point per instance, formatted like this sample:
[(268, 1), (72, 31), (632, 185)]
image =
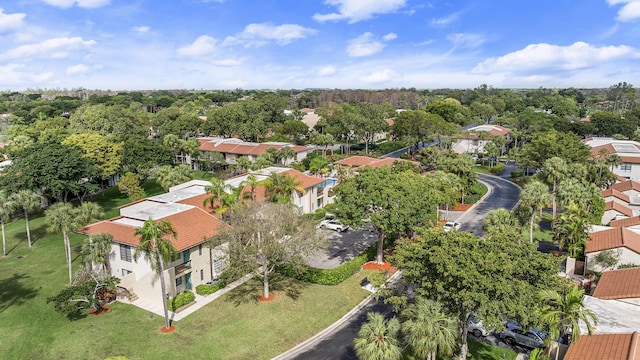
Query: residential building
[(627, 150), (358, 161), (232, 148), (605, 346), (622, 285), (473, 142), (615, 210), (624, 242), (195, 262)]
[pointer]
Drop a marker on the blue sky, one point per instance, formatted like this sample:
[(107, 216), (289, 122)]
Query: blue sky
[(284, 44)]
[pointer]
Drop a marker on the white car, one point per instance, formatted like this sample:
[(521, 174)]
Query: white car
[(476, 328), (333, 224), (450, 225)]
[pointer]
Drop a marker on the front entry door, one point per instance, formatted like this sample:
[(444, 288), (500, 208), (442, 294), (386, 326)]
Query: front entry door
[(187, 281)]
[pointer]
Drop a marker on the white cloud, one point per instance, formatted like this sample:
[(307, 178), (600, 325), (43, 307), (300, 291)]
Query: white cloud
[(364, 45), (326, 70), (444, 21), (255, 35), (57, 48), (579, 55), (77, 69), (11, 21), (630, 10), (466, 40), (141, 29), (227, 62), (390, 36), (359, 10), (14, 75), (380, 76), (80, 3), (203, 45)]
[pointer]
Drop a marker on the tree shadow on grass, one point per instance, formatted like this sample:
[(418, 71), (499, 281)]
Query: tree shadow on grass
[(279, 285), (37, 234), (14, 292)]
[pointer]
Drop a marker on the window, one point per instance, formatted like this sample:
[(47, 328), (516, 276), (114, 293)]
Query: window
[(125, 252), (217, 266), (201, 275), (126, 272), (179, 281), (625, 167), (200, 249)]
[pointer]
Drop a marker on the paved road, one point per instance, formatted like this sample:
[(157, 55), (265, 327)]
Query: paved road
[(502, 194), (339, 344)]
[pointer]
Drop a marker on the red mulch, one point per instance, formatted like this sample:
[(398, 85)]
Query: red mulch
[(462, 207), (386, 266), (264, 299), (105, 310), (168, 330)]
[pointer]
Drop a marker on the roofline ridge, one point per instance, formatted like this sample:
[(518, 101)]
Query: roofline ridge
[(634, 347)]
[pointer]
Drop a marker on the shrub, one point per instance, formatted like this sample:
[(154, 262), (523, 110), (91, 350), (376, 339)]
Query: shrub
[(320, 214), (205, 289), (181, 300), (475, 192), (497, 168), (627, 266), (517, 173)]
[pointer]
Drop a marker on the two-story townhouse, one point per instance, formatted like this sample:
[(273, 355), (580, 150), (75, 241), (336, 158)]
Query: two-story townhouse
[(231, 149), (628, 151), (473, 143)]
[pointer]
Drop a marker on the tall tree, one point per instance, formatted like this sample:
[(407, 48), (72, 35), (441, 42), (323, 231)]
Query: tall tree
[(96, 249), (267, 235), (27, 201), (215, 190), (389, 200), (428, 330), (157, 246), (571, 230), (499, 221), (444, 266), (554, 170), (535, 195), (379, 339), (64, 218), (564, 313), (252, 182), (169, 176), (6, 209), (279, 187)]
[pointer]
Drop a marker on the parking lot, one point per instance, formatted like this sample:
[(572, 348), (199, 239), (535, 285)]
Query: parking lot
[(344, 247)]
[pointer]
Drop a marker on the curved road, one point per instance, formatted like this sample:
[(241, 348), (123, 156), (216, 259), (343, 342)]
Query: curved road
[(338, 344)]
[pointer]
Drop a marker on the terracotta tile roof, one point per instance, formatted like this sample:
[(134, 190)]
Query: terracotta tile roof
[(605, 347), (626, 186), (612, 239), (306, 180), (615, 193), (193, 226), (619, 284), (631, 221), (616, 206), (595, 151), (630, 159), (621, 178), (234, 146), (358, 161), (390, 121)]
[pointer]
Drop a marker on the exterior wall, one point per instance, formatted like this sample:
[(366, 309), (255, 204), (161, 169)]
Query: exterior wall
[(634, 301), (617, 200), (626, 257), (471, 146), (627, 170), (611, 215)]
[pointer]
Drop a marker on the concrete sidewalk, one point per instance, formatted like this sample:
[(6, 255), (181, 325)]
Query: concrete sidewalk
[(199, 303)]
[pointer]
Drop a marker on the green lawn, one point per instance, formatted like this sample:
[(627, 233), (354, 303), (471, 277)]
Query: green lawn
[(235, 326)]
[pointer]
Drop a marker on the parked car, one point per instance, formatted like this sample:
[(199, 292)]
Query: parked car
[(476, 328), (333, 224), (514, 334), (451, 225)]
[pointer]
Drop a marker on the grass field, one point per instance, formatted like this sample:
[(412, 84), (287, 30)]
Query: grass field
[(235, 326)]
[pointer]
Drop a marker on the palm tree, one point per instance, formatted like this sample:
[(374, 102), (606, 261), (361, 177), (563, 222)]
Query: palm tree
[(428, 330), (554, 169), (535, 195), (6, 208), (90, 212), (498, 221), (564, 313), (279, 187), (96, 250), (252, 182), (230, 201), (285, 154), (28, 201), (63, 217), (243, 163), (571, 229), (168, 176), (378, 339), (216, 191), (158, 250)]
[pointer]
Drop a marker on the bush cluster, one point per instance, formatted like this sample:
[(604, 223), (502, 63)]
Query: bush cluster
[(517, 173), (475, 192), (204, 289), (181, 300), (497, 168)]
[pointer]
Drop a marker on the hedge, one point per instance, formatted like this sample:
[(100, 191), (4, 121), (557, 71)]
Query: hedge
[(497, 168), (181, 300), (331, 276), (204, 289)]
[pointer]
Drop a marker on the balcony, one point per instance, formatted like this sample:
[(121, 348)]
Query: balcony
[(183, 268)]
